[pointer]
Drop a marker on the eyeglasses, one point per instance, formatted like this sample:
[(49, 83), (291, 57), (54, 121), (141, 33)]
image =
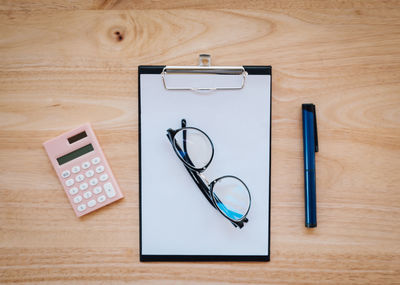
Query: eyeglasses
[(228, 194)]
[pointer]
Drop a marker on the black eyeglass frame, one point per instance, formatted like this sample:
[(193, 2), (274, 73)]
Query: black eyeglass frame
[(195, 173)]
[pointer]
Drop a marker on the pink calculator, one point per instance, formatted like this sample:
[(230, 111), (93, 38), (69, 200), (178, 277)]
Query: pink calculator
[(83, 170)]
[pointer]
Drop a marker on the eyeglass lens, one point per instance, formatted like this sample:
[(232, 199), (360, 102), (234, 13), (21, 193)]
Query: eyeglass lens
[(198, 147), (231, 197)]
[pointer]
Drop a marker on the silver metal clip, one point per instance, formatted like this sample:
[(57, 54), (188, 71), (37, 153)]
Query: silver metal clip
[(204, 68)]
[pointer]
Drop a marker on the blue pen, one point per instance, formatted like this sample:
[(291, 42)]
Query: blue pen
[(310, 147)]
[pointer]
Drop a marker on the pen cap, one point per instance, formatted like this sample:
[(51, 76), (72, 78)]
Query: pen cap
[(311, 108)]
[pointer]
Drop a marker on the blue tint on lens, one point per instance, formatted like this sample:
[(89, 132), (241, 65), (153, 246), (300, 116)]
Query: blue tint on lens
[(182, 153), (185, 157), (231, 214)]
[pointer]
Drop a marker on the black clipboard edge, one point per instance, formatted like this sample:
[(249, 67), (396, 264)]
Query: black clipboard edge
[(204, 258), (251, 70)]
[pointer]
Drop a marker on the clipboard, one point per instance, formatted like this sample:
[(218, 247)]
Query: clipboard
[(232, 104)]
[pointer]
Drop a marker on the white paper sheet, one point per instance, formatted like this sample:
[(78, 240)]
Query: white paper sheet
[(176, 217)]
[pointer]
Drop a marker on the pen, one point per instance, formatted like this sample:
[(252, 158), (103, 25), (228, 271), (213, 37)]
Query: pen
[(310, 147)]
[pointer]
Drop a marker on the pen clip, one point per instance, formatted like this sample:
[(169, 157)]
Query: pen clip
[(315, 129)]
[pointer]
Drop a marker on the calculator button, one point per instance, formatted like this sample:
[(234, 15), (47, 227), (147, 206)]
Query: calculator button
[(101, 198), (87, 194), (97, 190), (81, 207), (65, 174), (73, 191), (75, 169), (100, 169), (77, 199), (104, 177), (69, 182), (91, 203), (86, 165), (83, 186), (110, 192), (94, 181), (96, 160), (89, 173), (79, 178)]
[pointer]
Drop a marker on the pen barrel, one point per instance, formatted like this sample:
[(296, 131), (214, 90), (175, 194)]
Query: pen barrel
[(310, 199)]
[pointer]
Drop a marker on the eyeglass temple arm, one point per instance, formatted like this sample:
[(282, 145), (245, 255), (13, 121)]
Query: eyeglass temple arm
[(197, 178)]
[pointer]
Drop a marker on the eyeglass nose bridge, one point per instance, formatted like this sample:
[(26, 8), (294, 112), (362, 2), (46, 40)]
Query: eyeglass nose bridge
[(204, 178)]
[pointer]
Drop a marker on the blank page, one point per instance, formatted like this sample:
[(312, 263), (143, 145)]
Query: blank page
[(176, 217)]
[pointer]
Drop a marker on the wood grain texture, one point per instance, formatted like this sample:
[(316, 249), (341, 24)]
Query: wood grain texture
[(61, 66), (52, 5)]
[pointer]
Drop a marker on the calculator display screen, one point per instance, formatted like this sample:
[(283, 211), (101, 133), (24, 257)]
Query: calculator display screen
[(75, 154)]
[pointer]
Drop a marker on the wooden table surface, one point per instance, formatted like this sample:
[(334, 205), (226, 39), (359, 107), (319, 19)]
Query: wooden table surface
[(65, 63)]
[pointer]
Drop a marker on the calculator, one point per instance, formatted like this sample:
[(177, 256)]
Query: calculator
[(83, 170)]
